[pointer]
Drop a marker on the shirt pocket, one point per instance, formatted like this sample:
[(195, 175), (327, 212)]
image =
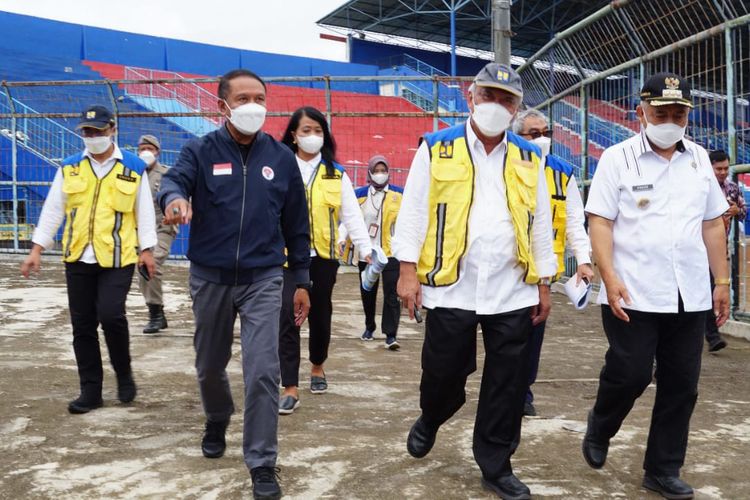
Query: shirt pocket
[(123, 194), (75, 188)]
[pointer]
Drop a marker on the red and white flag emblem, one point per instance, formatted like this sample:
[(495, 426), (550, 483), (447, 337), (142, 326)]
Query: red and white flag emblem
[(267, 173), (222, 169)]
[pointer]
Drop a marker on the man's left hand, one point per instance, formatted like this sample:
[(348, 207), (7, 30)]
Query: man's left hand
[(733, 210), (146, 258), (540, 311), (584, 271), (721, 304)]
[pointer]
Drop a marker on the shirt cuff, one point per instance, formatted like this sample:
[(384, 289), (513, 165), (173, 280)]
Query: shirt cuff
[(149, 241), (407, 255), (301, 276), (547, 268), (43, 241), (583, 258)]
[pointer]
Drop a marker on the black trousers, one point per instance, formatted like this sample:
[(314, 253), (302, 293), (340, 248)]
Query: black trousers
[(675, 340), (449, 357), (96, 295), (535, 352), (391, 305), (323, 278)]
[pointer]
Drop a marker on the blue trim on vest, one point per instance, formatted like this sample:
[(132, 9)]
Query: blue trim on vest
[(556, 163), (132, 162), (447, 134), (397, 189), (523, 143), (74, 159), (361, 192)]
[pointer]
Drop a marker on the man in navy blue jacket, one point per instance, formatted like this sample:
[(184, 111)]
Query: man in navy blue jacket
[(247, 204)]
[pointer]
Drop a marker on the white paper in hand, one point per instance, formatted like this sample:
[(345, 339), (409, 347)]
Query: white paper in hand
[(578, 293)]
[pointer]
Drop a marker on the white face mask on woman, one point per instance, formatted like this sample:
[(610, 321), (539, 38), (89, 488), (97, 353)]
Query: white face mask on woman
[(380, 179), (248, 118), (310, 144), (664, 135), (97, 145), (492, 118)]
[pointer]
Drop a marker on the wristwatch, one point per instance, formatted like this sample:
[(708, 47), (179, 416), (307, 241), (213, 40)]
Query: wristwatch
[(722, 281), (305, 286), (544, 281)]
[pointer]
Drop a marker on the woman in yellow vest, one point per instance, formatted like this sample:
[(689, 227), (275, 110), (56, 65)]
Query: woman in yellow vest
[(103, 194), (331, 200), (380, 202)]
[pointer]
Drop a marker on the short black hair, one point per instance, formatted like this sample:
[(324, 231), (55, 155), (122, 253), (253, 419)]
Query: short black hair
[(231, 75), (717, 156)]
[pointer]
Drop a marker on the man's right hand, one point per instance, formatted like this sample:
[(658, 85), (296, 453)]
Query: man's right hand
[(409, 289), (33, 262), (178, 211), (616, 292)]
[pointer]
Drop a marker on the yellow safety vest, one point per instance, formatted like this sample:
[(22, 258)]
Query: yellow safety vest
[(452, 195), (324, 203), (558, 174), (388, 214), (101, 211)]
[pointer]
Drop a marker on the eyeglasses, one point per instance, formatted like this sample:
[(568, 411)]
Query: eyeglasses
[(536, 134)]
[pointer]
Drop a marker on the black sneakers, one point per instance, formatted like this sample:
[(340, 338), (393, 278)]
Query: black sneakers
[(507, 487), (266, 483), (214, 442), (126, 389)]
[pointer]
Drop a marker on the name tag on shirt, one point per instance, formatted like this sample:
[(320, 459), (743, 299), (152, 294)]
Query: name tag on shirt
[(222, 169), (643, 187)]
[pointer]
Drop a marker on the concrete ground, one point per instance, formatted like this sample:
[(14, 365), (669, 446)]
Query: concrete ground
[(348, 443)]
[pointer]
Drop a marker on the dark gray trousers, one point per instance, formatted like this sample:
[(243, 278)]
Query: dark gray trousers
[(215, 308)]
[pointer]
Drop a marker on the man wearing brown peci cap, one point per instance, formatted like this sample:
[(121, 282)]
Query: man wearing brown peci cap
[(149, 149)]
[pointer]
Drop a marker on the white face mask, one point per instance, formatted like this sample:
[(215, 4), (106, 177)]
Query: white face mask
[(491, 118), (380, 178), (665, 135), (310, 144), (97, 145), (248, 118), (544, 143), (147, 156)]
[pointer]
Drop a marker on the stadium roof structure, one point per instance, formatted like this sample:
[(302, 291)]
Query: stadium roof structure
[(534, 22)]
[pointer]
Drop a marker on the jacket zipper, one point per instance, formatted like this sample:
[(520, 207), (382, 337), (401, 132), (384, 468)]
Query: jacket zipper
[(242, 217), (70, 231)]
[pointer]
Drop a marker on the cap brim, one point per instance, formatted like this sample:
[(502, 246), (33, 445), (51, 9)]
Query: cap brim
[(500, 86), (665, 102), (96, 125)]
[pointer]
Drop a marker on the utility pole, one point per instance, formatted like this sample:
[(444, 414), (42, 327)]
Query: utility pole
[(501, 32)]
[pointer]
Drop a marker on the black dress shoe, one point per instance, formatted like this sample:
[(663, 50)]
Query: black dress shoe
[(594, 452), (671, 487), (528, 409), (214, 442), (421, 439), (718, 345), (126, 389), (84, 404), (507, 487)]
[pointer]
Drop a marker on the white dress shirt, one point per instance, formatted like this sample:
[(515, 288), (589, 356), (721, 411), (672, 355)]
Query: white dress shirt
[(658, 207), (576, 238), (350, 214), (53, 211), (490, 279)]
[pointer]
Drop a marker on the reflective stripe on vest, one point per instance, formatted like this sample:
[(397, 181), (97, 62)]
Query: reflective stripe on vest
[(558, 174), (451, 198), (324, 202), (101, 212)]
